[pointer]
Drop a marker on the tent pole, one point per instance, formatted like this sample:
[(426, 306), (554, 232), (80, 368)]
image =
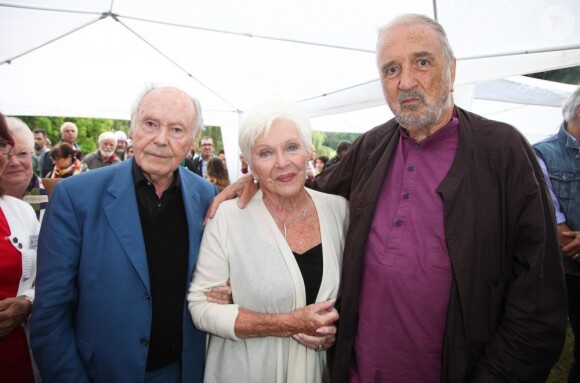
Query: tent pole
[(173, 62), (9, 60), (435, 14)]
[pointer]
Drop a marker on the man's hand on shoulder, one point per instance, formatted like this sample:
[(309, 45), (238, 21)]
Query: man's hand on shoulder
[(244, 188)]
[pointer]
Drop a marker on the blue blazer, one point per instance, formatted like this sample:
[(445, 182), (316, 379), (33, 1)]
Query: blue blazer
[(92, 313)]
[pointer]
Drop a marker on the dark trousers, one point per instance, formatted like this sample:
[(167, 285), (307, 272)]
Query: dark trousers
[(573, 288)]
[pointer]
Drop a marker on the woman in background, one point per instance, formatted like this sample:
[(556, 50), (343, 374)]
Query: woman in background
[(65, 162), (319, 164), (18, 240), (130, 152), (217, 173), (313, 171), (18, 179)]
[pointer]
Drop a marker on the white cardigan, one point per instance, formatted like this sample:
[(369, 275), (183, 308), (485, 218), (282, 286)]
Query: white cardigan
[(246, 246), (24, 229)]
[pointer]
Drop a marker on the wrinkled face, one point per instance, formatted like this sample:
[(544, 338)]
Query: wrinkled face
[(39, 141), (69, 134), (121, 144), (416, 77), (18, 170), (107, 147), (279, 160), (206, 147), (163, 131)]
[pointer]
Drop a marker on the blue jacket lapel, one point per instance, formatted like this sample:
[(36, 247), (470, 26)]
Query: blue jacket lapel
[(122, 214), (195, 215)]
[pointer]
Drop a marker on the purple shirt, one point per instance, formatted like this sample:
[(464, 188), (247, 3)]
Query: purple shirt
[(407, 270)]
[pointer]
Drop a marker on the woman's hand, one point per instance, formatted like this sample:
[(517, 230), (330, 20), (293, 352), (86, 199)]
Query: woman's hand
[(308, 320), (13, 312), (321, 342), (314, 320)]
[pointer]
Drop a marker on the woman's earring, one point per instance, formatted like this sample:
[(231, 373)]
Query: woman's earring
[(255, 180)]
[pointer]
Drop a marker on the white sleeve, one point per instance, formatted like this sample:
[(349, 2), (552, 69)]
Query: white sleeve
[(212, 269)]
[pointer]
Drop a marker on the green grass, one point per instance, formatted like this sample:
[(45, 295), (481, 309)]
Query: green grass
[(559, 372)]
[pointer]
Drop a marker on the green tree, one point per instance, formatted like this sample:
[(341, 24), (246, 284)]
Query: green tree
[(566, 75), (318, 139), (89, 128), (332, 139)]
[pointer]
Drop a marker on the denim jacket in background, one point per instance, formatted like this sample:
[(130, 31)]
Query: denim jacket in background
[(561, 154)]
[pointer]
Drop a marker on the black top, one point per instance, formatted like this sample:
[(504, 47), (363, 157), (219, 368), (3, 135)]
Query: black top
[(165, 233), (146, 196), (310, 263)]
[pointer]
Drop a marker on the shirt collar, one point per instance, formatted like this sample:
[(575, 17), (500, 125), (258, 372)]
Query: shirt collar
[(139, 177), (447, 129), (570, 141)]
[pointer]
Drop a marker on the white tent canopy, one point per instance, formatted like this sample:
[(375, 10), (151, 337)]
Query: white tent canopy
[(92, 58)]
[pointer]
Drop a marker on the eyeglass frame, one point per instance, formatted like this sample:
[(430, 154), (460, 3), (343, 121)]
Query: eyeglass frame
[(20, 155)]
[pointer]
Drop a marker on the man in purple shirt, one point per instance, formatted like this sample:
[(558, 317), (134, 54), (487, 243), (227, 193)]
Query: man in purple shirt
[(450, 270)]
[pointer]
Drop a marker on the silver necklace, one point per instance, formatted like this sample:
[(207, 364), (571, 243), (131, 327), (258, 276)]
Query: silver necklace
[(288, 221)]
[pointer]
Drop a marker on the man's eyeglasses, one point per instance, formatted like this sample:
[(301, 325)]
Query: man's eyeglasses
[(6, 146)]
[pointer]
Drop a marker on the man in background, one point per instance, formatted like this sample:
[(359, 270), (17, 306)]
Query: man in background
[(40, 150), (68, 133), (341, 151), (121, 148), (105, 155), (560, 157), (198, 165)]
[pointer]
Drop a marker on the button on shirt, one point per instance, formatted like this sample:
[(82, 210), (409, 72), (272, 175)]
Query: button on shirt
[(407, 270), (165, 232)]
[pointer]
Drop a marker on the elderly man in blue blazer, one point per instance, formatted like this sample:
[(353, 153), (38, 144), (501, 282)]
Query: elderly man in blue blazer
[(116, 253)]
